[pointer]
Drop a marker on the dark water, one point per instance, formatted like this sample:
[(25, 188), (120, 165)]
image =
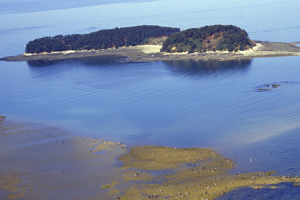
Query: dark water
[(284, 191), (178, 103)]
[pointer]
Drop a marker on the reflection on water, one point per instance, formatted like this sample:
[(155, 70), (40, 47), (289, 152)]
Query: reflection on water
[(181, 103), (179, 67), (87, 61), (178, 104), (199, 67)]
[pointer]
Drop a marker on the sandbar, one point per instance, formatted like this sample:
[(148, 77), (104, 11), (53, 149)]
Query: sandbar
[(41, 161)]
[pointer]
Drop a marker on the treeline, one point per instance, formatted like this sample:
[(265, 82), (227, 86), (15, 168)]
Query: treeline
[(208, 38), (103, 39)]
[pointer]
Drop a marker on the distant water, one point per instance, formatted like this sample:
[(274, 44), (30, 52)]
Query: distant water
[(179, 103), (23, 21)]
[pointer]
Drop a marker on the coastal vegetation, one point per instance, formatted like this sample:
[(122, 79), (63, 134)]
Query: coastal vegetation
[(216, 39), (208, 38), (102, 39)]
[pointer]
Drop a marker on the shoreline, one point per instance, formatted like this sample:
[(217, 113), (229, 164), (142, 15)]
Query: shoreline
[(41, 160), (149, 53)]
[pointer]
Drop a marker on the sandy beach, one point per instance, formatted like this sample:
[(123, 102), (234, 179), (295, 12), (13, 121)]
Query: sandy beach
[(39, 161), (149, 53)]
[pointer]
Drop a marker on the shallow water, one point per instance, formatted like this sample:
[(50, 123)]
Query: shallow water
[(282, 192), (180, 103)]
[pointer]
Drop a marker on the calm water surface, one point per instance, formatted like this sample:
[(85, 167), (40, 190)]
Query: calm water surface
[(284, 191), (178, 104)]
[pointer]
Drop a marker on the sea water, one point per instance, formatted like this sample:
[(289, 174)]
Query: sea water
[(176, 103)]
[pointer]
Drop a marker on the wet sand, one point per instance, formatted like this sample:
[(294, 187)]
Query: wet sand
[(44, 162), (39, 161), (189, 173), (149, 53)]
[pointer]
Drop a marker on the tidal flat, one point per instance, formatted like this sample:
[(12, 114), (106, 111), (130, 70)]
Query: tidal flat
[(39, 160)]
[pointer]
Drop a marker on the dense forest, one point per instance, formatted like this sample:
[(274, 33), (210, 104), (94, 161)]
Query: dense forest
[(208, 38), (103, 39)]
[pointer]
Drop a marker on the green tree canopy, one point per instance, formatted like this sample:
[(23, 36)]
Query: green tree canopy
[(102, 39), (216, 37)]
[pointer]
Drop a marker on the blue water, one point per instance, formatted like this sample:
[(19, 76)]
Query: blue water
[(180, 103), (284, 191)]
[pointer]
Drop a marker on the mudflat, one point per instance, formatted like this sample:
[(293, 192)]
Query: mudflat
[(44, 162), (39, 161), (149, 53)]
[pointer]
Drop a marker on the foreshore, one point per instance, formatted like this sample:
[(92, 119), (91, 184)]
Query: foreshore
[(39, 160), (149, 53)]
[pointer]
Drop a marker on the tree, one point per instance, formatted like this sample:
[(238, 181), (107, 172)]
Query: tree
[(227, 36), (193, 47), (100, 39)]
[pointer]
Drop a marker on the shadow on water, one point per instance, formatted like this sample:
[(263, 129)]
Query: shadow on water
[(60, 67), (203, 68), (101, 72), (280, 192), (188, 68), (90, 61)]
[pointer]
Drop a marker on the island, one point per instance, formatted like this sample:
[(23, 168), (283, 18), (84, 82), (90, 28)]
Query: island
[(103, 39), (154, 43)]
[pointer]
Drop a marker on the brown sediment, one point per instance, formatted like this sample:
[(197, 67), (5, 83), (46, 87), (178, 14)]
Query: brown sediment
[(11, 182), (143, 54), (196, 173), (263, 89), (294, 43), (268, 87), (137, 176), (110, 185), (158, 157), (38, 161), (125, 52)]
